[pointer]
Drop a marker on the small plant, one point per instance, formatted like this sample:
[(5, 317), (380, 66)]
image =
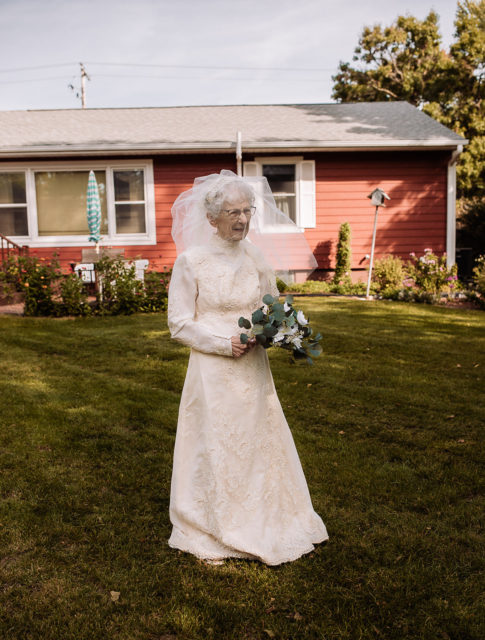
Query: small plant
[(431, 274), (74, 298), (282, 286), (155, 291), (39, 279), (388, 276), (343, 260), (119, 289), (477, 293)]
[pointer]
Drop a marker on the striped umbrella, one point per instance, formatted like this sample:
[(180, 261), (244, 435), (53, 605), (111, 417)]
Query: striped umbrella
[(93, 210)]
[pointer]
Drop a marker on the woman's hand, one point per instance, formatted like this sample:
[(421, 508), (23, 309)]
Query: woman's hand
[(239, 349)]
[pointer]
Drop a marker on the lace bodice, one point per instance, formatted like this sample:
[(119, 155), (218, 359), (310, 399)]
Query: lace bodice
[(211, 287)]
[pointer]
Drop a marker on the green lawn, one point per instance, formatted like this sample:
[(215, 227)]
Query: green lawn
[(389, 427)]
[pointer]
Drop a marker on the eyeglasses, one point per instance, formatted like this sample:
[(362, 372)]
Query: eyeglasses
[(235, 213)]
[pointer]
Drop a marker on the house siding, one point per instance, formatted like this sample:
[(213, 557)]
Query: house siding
[(414, 218)]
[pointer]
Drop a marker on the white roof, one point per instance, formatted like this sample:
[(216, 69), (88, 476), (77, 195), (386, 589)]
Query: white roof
[(295, 127)]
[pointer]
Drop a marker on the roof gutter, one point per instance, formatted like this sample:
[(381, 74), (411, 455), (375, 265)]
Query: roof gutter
[(227, 147)]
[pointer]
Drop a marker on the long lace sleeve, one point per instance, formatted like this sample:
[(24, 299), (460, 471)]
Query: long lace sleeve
[(183, 326)]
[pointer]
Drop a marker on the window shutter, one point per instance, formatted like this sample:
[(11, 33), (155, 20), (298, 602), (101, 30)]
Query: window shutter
[(251, 169), (307, 217)]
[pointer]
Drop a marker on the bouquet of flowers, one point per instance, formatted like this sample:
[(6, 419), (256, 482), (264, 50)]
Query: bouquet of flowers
[(280, 325)]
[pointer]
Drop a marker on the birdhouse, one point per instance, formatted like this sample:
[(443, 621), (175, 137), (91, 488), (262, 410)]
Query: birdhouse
[(377, 197)]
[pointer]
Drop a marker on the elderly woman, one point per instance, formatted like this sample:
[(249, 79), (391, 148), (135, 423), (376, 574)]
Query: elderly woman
[(238, 488)]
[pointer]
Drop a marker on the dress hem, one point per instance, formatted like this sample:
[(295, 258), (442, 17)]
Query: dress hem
[(246, 556)]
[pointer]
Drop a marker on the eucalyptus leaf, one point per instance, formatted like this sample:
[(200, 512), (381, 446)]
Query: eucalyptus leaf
[(279, 315), (289, 299), (257, 329), (242, 322), (269, 330), (244, 338), (268, 299), (261, 339), (258, 316)]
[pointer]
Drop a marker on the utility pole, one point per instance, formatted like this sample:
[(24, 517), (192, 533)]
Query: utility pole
[(84, 75)]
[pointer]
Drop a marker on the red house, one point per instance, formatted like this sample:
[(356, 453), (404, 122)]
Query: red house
[(321, 160)]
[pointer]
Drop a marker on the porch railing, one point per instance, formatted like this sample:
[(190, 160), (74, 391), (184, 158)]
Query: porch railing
[(8, 247)]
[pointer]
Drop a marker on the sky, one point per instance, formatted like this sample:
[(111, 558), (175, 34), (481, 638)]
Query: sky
[(155, 53)]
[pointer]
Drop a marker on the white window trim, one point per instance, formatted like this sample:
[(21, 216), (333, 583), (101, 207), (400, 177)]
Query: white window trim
[(296, 160), (110, 239)]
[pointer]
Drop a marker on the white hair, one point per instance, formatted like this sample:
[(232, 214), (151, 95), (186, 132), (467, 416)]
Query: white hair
[(226, 189)]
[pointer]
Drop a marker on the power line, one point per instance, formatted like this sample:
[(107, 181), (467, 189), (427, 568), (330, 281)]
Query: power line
[(43, 66), (139, 76), (220, 68), (168, 66)]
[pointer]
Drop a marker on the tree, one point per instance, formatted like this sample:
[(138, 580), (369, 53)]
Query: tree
[(401, 62), (406, 62), (343, 259)]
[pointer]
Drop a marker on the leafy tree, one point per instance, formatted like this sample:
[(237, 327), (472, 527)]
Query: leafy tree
[(401, 62), (406, 62)]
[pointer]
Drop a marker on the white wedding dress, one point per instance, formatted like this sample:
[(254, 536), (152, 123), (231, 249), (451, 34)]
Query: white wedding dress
[(238, 488)]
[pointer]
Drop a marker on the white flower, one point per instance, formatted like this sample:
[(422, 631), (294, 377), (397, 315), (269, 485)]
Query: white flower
[(280, 336), (296, 341), (301, 318), (265, 309), (286, 307)]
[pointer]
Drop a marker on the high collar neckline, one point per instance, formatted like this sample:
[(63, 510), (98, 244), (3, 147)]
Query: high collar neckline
[(234, 246)]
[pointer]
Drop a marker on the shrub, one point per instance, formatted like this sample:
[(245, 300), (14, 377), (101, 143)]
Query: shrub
[(282, 286), (119, 290), (388, 275), (155, 291), (479, 275), (477, 293), (74, 297), (39, 279), (431, 274), (342, 265)]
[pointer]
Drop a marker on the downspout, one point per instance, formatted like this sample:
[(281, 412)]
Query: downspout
[(451, 207), (239, 153)]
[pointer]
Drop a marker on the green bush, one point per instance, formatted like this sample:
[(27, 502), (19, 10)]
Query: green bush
[(282, 286), (155, 291), (479, 275), (119, 291), (477, 293), (388, 275), (431, 274), (343, 260), (309, 286), (39, 278), (50, 293), (74, 297)]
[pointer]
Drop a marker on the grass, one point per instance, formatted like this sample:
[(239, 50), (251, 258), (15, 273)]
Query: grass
[(389, 428)]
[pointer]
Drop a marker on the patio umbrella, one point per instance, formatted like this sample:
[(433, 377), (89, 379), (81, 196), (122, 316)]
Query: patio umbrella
[(93, 210)]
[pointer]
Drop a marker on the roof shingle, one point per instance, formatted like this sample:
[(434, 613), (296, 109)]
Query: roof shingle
[(211, 128)]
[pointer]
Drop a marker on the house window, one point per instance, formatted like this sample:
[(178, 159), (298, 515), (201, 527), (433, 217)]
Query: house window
[(281, 179), (61, 202), (13, 205), (129, 201), (44, 204), (292, 181)]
